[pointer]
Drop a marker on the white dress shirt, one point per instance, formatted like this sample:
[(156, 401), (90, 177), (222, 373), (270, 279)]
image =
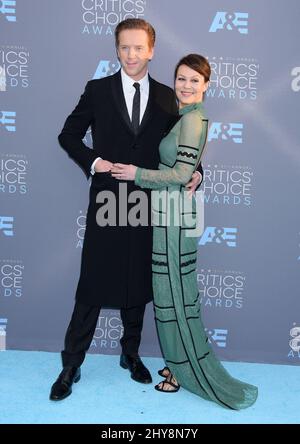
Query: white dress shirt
[(129, 91)]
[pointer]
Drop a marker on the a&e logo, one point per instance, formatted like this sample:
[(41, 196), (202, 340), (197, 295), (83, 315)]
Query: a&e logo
[(6, 225), (8, 120), (230, 21), (219, 236), (217, 336), (106, 68), (226, 131), (7, 7)]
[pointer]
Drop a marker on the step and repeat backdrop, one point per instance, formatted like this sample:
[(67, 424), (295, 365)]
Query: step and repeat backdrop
[(249, 252)]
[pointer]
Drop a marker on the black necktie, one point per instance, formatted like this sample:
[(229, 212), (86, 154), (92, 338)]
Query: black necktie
[(136, 108)]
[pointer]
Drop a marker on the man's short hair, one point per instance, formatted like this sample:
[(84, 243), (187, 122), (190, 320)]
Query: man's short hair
[(136, 23)]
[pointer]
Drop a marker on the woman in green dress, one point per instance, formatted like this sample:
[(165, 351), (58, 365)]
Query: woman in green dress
[(191, 362)]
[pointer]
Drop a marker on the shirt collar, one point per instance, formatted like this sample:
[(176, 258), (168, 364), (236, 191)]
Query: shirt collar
[(128, 82)]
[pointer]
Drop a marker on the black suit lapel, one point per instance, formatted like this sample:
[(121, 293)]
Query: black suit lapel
[(119, 99), (120, 103)]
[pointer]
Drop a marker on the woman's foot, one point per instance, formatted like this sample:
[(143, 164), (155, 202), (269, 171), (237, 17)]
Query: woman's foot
[(164, 372), (169, 385)]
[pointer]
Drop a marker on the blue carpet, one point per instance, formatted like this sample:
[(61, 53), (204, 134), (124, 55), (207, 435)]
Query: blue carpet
[(107, 395)]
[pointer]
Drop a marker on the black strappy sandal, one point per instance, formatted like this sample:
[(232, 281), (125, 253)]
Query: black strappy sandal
[(165, 372), (161, 386)]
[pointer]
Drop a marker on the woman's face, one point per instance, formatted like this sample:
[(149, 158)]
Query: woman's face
[(189, 86)]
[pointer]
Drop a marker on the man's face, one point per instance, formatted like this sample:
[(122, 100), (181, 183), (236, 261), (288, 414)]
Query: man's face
[(134, 52)]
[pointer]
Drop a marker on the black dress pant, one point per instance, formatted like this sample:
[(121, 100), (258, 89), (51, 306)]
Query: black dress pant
[(82, 326)]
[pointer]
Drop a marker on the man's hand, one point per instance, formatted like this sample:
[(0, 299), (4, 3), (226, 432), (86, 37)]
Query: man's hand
[(194, 182), (123, 172), (103, 166)]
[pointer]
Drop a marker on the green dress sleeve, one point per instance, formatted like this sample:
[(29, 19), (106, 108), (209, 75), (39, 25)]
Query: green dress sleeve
[(188, 157)]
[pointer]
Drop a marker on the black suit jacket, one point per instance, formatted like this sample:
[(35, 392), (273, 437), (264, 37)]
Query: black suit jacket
[(102, 106), (116, 260)]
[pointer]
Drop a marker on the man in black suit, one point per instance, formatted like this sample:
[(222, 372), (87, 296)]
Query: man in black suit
[(129, 112)]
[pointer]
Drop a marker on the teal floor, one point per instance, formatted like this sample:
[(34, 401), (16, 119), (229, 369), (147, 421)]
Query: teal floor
[(107, 395)]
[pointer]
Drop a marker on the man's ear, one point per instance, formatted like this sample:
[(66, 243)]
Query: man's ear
[(151, 54)]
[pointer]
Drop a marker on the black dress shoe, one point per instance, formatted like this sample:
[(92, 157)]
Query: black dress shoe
[(62, 386), (137, 369)]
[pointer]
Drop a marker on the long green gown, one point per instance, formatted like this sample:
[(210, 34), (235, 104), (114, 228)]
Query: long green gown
[(176, 303)]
